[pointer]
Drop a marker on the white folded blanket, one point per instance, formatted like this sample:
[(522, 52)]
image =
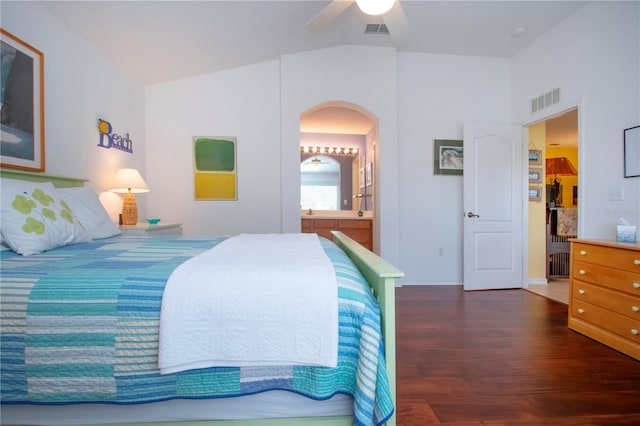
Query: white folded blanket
[(252, 300)]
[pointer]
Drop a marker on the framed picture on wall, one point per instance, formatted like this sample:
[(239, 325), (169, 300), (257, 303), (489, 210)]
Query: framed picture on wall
[(535, 157), (22, 120), (535, 192), (632, 152), (214, 168), (369, 174), (535, 175), (448, 157)]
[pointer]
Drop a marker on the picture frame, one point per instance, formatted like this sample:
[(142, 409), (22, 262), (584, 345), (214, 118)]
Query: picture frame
[(448, 157), (631, 138), (368, 174), (535, 192), (535, 157), (535, 175), (22, 120), (215, 168)]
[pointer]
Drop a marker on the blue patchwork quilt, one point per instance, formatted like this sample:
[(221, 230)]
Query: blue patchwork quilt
[(79, 324)]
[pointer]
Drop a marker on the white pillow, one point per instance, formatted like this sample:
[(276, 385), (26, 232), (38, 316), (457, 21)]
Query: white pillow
[(86, 206), (35, 218), (3, 245)]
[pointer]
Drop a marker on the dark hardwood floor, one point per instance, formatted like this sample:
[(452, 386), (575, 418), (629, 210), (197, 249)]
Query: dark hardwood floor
[(504, 357)]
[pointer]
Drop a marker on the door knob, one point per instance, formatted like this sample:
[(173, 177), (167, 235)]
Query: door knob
[(471, 214)]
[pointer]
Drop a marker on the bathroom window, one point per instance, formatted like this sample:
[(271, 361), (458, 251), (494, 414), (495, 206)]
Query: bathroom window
[(319, 197)]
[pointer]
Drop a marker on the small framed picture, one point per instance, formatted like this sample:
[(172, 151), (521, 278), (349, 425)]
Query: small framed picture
[(632, 152), (535, 175), (448, 157), (535, 157), (535, 192), (368, 173)]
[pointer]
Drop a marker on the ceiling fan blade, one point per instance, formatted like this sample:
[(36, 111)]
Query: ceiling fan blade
[(328, 15), (397, 24)]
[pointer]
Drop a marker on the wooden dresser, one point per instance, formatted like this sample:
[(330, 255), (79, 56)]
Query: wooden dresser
[(359, 230), (604, 303)]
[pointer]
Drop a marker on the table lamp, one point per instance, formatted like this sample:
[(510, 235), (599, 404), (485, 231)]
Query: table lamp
[(129, 182)]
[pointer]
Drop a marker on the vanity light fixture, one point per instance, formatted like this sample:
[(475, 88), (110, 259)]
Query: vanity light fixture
[(329, 150)]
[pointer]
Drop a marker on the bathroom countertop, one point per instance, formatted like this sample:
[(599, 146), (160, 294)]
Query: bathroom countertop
[(335, 214)]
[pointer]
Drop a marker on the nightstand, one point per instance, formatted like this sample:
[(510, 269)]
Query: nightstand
[(143, 229)]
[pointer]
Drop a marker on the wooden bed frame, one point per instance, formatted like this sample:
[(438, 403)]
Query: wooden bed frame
[(380, 275)]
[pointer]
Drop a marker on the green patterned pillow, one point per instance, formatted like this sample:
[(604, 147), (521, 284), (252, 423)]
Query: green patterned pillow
[(35, 218)]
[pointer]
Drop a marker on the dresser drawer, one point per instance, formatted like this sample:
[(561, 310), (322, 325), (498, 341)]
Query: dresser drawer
[(617, 279), (354, 224), (605, 319), (306, 226), (621, 303), (360, 235), (628, 260), (325, 224)]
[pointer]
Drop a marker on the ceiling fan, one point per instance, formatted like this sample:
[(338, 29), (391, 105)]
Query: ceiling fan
[(391, 11)]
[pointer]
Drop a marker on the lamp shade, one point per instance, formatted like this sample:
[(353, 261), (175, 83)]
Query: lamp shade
[(129, 179), (560, 166), (375, 7)]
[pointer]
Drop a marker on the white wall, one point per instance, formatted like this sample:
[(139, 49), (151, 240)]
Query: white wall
[(244, 103), (436, 95), (594, 58), (80, 86)]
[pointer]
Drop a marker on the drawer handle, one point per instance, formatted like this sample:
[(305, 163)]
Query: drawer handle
[(634, 331), (581, 291), (580, 311), (636, 261), (583, 252), (635, 309), (636, 285), (582, 272)]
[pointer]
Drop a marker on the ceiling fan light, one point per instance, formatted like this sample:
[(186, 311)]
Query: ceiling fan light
[(375, 7)]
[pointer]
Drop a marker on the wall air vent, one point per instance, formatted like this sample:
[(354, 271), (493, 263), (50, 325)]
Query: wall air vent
[(546, 100), (376, 29)]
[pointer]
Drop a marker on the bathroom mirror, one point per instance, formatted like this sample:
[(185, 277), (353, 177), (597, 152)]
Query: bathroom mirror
[(335, 154)]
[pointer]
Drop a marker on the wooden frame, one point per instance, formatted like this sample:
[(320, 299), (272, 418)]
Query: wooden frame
[(535, 157), (448, 157), (22, 121), (535, 192), (379, 274), (632, 152), (535, 175)]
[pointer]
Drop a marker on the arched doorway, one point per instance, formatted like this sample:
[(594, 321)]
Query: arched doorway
[(347, 133)]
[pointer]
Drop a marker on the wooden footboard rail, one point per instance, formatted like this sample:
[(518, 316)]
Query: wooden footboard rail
[(381, 276)]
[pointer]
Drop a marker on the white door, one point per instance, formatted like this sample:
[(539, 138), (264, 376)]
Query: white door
[(493, 207)]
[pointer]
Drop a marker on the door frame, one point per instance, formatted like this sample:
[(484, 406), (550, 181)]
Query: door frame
[(551, 112)]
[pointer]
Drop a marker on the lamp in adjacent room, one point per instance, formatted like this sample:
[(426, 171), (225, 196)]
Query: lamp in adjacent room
[(129, 182), (556, 167)]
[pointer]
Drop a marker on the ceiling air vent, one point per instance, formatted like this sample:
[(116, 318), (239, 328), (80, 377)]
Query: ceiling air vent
[(376, 29), (546, 100)]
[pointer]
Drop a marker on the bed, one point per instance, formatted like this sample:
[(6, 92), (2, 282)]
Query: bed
[(111, 376)]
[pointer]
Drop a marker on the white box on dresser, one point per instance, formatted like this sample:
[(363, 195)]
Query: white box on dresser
[(604, 302), (150, 230)]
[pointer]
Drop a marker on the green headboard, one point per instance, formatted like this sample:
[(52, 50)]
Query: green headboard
[(58, 181)]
